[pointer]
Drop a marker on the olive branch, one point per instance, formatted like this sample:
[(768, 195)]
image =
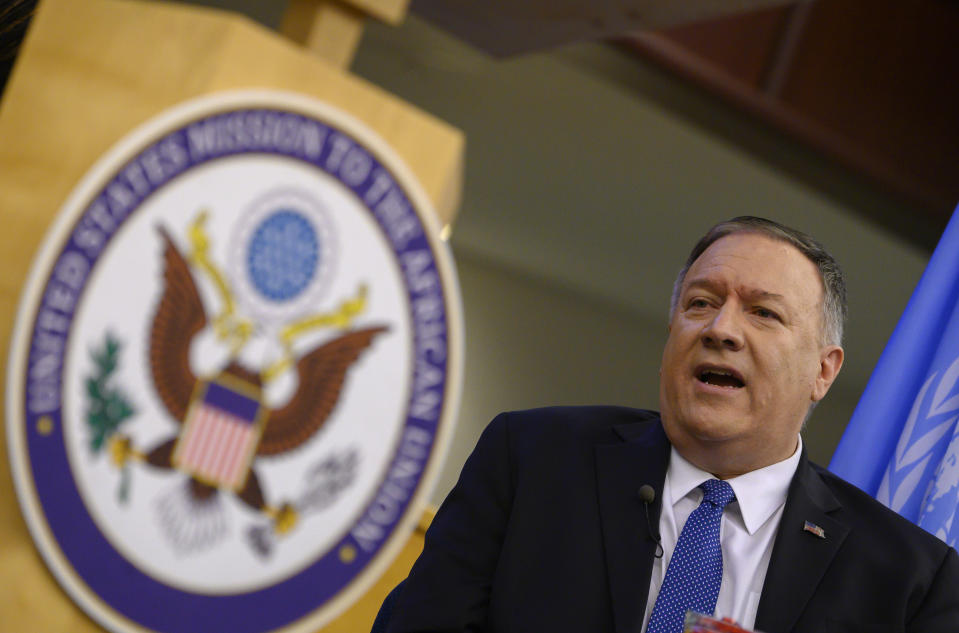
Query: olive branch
[(107, 406)]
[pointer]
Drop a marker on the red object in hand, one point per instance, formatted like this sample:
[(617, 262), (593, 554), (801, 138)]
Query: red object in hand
[(700, 623)]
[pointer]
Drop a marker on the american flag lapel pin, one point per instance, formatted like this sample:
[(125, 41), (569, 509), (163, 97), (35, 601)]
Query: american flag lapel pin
[(812, 528)]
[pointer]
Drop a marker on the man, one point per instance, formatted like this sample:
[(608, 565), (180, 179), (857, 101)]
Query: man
[(611, 519)]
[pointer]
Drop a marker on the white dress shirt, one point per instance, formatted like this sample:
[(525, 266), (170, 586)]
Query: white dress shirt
[(747, 531)]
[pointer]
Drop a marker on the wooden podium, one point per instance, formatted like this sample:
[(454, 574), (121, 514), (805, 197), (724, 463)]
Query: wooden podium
[(89, 72)]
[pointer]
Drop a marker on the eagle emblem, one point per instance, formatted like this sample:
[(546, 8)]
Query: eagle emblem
[(225, 426)]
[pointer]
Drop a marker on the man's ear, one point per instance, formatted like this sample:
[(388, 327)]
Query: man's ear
[(830, 362)]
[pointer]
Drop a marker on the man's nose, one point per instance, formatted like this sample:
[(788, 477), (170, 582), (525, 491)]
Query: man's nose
[(725, 328)]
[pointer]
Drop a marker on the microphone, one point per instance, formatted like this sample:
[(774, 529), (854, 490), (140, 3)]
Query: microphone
[(647, 495)]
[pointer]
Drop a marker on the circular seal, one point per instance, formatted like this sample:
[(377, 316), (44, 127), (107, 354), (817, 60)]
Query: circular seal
[(234, 370)]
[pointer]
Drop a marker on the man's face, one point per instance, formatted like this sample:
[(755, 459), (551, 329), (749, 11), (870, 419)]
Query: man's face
[(744, 359)]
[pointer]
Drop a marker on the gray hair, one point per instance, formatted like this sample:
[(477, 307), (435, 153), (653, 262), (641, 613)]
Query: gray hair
[(834, 285)]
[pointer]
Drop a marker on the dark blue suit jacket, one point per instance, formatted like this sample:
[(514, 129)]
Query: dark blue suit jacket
[(545, 531)]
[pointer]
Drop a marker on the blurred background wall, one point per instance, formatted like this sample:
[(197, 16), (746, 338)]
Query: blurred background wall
[(588, 179)]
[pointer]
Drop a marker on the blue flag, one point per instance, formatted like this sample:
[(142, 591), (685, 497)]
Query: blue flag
[(902, 443)]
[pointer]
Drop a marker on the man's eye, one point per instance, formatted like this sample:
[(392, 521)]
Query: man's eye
[(698, 303), (766, 314)]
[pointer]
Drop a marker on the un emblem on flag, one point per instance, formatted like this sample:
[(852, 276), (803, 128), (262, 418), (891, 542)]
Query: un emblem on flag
[(922, 479), (234, 370), (941, 504)]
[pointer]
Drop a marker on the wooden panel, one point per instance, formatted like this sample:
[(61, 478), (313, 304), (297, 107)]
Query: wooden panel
[(390, 11), (885, 75), (869, 84), (87, 74), (742, 48), (509, 28), (327, 28)]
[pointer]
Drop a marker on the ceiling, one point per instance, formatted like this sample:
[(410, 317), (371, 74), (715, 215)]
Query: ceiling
[(510, 27), (870, 84)]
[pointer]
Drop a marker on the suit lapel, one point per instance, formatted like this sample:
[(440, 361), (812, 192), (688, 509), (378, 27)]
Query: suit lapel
[(800, 557), (621, 468)]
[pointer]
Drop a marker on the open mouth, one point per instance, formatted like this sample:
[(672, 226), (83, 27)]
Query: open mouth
[(720, 378)]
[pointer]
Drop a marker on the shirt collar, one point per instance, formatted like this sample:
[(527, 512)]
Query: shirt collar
[(759, 493)]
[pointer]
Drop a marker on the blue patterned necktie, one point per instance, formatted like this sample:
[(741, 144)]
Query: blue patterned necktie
[(696, 568)]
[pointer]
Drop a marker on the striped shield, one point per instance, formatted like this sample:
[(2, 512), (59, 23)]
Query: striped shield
[(221, 432)]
